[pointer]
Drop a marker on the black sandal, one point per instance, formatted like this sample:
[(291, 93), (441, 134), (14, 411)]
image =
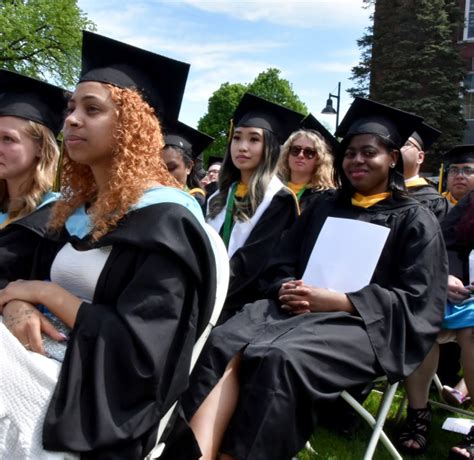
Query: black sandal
[(415, 429), (467, 444)]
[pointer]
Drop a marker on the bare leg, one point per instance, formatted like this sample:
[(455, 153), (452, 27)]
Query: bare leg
[(211, 419), (465, 338), (417, 385), (462, 388)]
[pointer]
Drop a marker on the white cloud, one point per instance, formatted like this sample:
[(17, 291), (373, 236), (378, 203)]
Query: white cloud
[(217, 56), (297, 13)]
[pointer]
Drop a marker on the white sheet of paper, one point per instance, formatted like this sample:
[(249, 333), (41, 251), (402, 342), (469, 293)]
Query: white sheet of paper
[(345, 254), (458, 425)]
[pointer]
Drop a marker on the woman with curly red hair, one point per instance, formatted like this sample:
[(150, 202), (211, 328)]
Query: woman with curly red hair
[(132, 273)]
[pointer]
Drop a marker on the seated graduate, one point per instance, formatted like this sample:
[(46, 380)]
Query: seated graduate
[(133, 276), (256, 390), (252, 207), (413, 152), (183, 145), (459, 163), (31, 114), (458, 325), (306, 161)]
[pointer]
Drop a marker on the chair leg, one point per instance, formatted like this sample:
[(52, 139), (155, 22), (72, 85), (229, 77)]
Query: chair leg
[(377, 425), (401, 408)]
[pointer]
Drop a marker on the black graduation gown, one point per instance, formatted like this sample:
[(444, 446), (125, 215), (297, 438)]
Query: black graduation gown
[(128, 355), (458, 251), (292, 363), (429, 197), (248, 262), (311, 194), (18, 243)]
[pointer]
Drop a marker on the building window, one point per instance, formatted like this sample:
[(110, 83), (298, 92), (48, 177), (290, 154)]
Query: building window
[(469, 20), (468, 99)]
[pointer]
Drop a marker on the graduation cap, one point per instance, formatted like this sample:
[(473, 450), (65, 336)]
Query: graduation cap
[(460, 154), (255, 112), (425, 135), (160, 80), (31, 99), (191, 140), (312, 124), (369, 117), (214, 159)]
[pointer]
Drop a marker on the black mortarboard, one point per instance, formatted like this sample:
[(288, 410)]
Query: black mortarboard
[(369, 117), (311, 123), (159, 79), (460, 154), (189, 139), (253, 111), (214, 159), (32, 99), (425, 135)]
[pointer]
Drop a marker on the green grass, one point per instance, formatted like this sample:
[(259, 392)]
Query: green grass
[(331, 446)]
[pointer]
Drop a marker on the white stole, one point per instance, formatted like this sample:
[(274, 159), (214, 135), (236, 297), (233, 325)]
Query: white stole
[(241, 230)]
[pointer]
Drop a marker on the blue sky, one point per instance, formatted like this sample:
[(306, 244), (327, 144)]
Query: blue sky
[(312, 42)]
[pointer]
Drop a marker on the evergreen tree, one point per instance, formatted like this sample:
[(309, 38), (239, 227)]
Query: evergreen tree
[(415, 64), (361, 72)]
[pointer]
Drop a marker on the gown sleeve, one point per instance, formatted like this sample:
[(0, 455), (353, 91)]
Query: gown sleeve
[(458, 253), (128, 356), (403, 306), (247, 264), (19, 243)]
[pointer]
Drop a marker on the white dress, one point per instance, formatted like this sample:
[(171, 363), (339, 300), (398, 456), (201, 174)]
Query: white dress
[(27, 379)]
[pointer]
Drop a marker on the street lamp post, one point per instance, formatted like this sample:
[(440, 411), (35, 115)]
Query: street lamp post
[(329, 109)]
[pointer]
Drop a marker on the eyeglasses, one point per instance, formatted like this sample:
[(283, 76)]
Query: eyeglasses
[(466, 171), (308, 152)]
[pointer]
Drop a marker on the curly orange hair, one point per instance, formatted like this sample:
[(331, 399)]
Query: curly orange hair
[(137, 165)]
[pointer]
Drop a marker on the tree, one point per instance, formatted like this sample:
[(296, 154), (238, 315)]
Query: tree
[(220, 108), (361, 72), (270, 86), (42, 38), (415, 64), (224, 101)]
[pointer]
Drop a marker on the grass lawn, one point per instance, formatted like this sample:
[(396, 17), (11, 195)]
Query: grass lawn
[(331, 446)]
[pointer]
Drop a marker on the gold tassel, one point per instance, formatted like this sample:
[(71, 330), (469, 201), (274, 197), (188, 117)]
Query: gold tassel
[(59, 167), (231, 131), (441, 177)]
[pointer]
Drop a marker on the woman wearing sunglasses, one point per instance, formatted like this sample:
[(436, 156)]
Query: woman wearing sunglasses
[(252, 207), (306, 161)]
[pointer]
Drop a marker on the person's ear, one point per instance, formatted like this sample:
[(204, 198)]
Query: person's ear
[(421, 157)]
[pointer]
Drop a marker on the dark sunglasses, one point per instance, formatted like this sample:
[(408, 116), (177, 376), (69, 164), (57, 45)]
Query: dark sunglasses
[(308, 152)]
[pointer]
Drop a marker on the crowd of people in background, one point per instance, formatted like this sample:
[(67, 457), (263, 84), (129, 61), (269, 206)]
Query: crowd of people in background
[(108, 270)]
